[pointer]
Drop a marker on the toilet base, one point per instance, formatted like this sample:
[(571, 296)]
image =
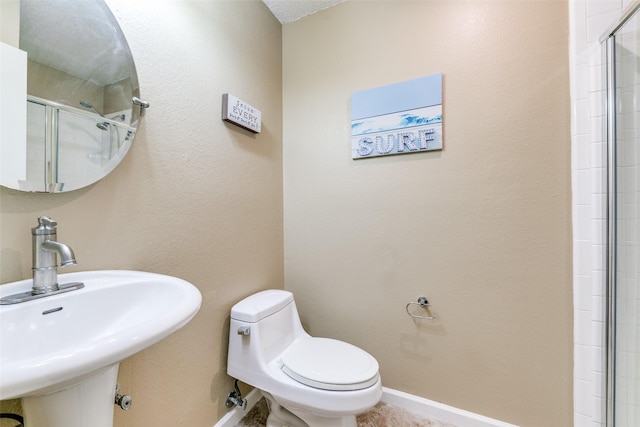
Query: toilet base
[(279, 416)]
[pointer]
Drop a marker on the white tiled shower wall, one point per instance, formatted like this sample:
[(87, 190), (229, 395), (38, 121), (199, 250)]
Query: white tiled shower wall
[(589, 19)]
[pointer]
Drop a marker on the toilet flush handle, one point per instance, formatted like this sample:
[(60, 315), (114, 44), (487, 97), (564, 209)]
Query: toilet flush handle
[(244, 330)]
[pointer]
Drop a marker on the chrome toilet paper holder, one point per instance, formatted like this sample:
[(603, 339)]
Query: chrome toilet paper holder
[(422, 302)]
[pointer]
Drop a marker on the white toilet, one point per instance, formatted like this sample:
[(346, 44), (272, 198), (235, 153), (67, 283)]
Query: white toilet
[(307, 381)]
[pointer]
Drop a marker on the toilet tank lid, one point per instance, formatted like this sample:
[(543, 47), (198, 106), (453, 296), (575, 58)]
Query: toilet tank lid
[(258, 306)]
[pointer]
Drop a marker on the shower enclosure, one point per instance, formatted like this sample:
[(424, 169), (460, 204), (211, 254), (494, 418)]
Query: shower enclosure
[(623, 219)]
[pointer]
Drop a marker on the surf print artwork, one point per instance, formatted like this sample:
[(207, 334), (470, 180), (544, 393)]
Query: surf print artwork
[(400, 118)]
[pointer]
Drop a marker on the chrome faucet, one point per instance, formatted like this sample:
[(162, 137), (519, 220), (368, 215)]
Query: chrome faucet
[(45, 248)]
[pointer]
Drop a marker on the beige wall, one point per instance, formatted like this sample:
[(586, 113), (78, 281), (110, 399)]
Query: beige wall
[(482, 228), (117, 96), (195, 197), (57, 86)]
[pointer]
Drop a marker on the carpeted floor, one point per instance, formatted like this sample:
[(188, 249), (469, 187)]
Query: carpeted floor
[(383, 415)]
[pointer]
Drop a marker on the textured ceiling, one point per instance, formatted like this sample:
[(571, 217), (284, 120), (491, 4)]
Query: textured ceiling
[(292, 10)]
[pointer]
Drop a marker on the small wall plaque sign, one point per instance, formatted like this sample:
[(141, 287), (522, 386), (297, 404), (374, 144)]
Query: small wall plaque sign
[(239, 113), (400, 118)]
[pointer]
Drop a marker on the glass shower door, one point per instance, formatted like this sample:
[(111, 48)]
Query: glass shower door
[(624, 227)]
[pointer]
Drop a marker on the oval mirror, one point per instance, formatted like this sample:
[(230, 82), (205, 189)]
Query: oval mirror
[(82, 101)]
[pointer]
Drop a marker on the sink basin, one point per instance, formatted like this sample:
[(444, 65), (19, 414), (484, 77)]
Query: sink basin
[(58, 342)]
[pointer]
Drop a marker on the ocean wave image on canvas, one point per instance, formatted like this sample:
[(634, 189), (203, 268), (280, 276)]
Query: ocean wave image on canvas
[(397, 121)]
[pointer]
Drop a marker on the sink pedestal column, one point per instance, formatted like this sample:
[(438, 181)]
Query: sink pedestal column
[(89, 403)]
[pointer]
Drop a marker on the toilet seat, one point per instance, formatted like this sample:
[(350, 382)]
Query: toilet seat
[(329, 364)]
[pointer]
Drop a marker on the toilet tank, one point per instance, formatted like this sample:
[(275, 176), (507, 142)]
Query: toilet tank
[(273, 324), (258, 306)]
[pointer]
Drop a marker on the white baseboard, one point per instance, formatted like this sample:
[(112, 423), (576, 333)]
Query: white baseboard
[(414, 404), (438, 411)]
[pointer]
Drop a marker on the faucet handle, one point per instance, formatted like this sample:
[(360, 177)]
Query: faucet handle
[(47, 221), (46, 226)]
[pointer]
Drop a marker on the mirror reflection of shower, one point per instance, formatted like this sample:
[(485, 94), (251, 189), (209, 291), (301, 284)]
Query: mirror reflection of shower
[(114, 136), (76, 144), (99, 125), (114, 132)]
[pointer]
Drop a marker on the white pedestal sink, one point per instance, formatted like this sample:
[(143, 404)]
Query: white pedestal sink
[(61, 353)]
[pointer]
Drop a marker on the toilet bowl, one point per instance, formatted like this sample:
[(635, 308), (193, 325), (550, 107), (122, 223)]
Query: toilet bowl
[(307, 381)]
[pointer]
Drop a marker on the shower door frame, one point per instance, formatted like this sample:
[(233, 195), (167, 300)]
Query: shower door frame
[(609, 40)]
